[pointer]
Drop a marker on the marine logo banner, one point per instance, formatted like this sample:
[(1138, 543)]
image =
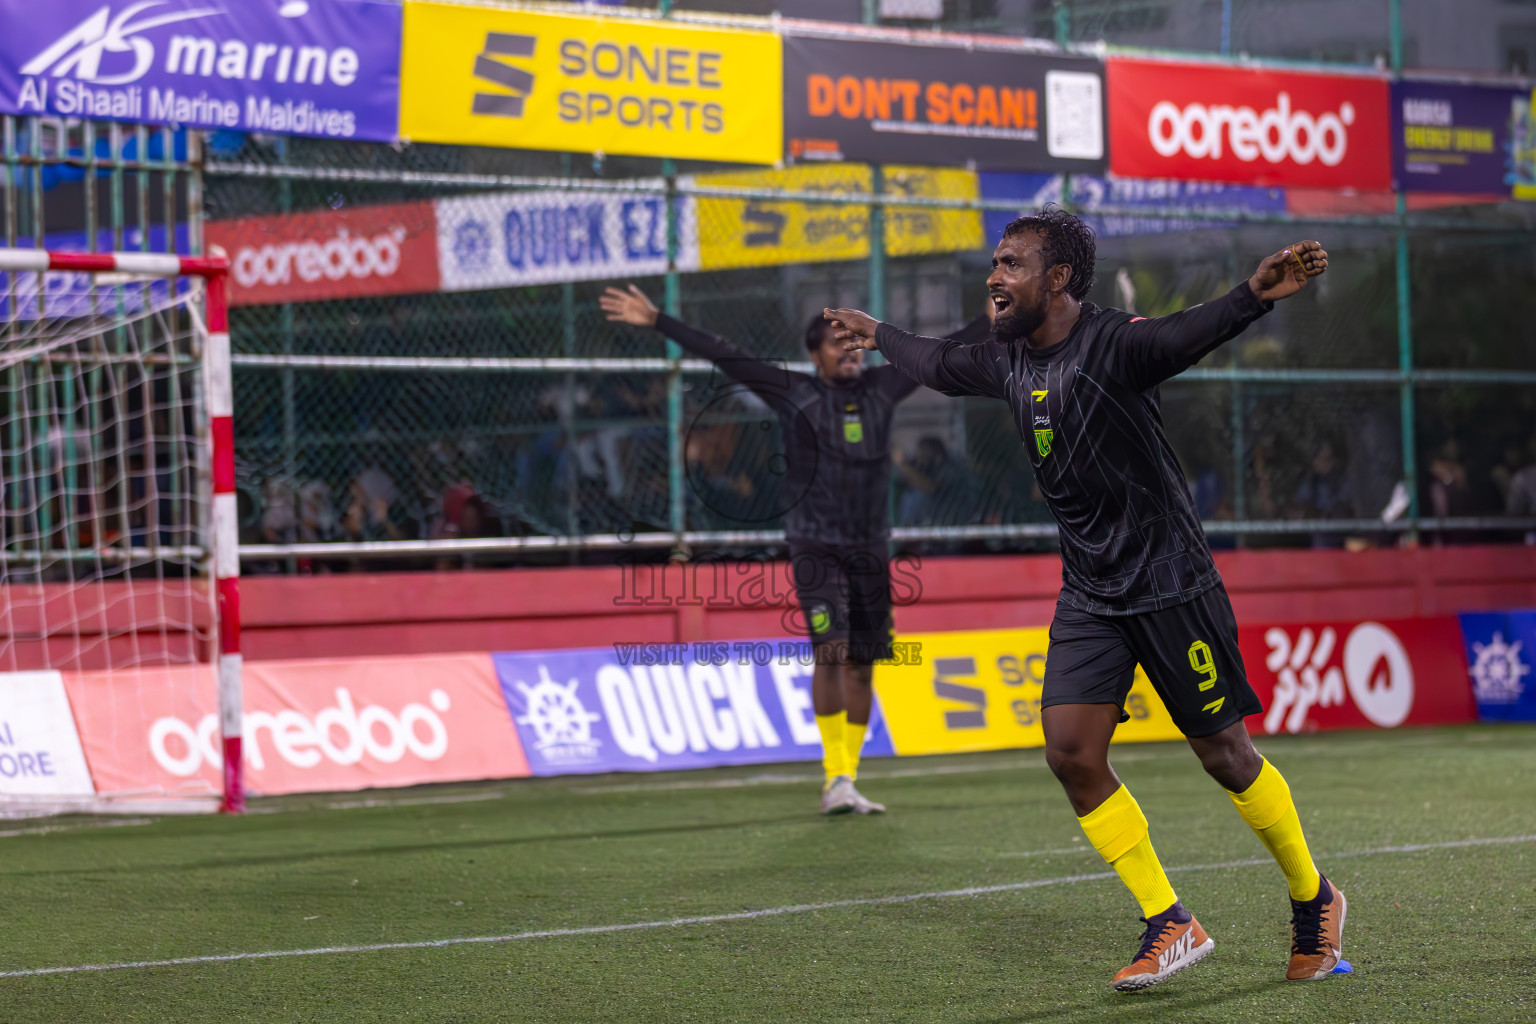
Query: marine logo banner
[(328, 68), (530, 80)]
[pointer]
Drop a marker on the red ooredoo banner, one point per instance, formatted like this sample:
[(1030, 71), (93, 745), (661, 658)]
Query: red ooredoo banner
[(330, 254), (1357, 675), (1278, 128)]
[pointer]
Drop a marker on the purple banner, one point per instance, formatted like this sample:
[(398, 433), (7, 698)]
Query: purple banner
[(1458, 138), (328, 68), (1501, 650), (1135, 202), (657, 707)]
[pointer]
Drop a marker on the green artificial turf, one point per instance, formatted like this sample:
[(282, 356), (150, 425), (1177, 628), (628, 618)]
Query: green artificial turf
[(1437, 935)]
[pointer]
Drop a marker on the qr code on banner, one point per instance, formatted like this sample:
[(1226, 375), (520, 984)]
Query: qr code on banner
[(1074, 115)]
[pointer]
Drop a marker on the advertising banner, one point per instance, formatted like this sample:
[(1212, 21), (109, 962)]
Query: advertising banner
[(879, 102), (1357, 675), (1206, 122), (328, 68), (756, 232), (40, 752), (677, 706), (1500, 648), (1457, 138), (310, 726), (1185, 205), (515, 238), (530, 80), (981, 691), (330, 254)]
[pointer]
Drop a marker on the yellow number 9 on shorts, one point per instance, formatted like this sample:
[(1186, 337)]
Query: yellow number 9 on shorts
[(1201, 660)]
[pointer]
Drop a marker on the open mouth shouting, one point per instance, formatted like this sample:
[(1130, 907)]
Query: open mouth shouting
[(1000, 303)]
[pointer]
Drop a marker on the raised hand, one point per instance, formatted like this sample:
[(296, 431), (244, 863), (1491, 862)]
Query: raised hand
[(629, 307), (1288, 271), (853, 328)]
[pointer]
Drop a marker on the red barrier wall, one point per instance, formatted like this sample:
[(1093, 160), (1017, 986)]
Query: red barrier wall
[(528, 609)]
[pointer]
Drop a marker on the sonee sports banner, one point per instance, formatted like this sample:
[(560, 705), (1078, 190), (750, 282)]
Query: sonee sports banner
[(879, 102), (530, 80)]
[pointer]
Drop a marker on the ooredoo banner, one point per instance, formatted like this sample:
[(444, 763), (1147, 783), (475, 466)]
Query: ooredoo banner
[(310, 725), (1357, 675), (330, 254), (880, 102), (661, 707), (1206, 122), (328, 68)]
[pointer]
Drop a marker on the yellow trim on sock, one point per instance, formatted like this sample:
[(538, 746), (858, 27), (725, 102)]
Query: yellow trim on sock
[(1268, 809), (834, 743), (1118, 830), (853, 746)]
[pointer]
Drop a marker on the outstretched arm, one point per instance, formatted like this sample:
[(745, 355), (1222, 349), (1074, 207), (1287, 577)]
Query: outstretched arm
[(1146, 352), (767, 378), (948, 367)]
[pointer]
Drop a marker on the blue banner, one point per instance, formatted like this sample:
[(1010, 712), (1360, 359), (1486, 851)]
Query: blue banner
[(328, 68), (1501, 648), (1460, 138), (1118, 207), (658, 707)]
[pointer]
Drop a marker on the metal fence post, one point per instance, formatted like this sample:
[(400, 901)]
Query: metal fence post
[(877, 244), (1404, 304), (673, 304)]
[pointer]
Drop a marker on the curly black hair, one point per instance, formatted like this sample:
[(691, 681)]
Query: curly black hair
[(1064, 238), (815, 331)]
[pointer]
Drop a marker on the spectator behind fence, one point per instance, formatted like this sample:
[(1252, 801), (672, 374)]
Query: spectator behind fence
[(940, 489), (1449, 494), (1521, 497), (1324, 493), (368, 516)]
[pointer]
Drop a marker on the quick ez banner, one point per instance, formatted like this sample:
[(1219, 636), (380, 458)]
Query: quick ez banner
[(328, 68), (653, 707)]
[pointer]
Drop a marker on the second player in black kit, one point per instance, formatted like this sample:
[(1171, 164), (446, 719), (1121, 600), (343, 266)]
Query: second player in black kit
[(1138, 581)]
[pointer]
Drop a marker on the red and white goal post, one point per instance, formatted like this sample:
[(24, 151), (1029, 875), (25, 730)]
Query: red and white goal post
[(118, 519)]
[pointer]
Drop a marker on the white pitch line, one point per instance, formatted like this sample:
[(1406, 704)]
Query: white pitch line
[(744, 915), (45, 829)]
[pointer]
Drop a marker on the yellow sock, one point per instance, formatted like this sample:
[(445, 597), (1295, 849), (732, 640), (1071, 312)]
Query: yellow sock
[(1268, 809), (834, 744), (854, 746), (1118, 830)]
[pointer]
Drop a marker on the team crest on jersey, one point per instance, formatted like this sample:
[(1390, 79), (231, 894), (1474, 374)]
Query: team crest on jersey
[(1043, 442), (853, 427)]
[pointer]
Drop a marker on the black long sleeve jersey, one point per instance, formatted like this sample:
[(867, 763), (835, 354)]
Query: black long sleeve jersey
[(1088, 411), (837, 440)]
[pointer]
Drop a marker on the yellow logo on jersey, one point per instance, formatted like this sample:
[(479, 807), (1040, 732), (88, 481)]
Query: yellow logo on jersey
[(1043, 442), (1040, 395)]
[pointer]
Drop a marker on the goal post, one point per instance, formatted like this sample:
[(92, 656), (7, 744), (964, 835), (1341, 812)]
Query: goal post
[(119, 527)]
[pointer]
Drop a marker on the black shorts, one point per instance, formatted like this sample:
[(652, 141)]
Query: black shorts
[(1189, 653), (845, 599)]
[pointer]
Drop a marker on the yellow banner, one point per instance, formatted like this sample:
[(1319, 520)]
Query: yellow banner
[(755, 233), (529, 80), (981, 691)]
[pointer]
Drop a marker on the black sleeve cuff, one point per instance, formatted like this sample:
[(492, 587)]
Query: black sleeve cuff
[(1250, 301)]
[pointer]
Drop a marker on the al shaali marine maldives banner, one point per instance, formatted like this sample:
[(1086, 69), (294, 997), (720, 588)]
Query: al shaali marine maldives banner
[(328, 68), (656, 707)]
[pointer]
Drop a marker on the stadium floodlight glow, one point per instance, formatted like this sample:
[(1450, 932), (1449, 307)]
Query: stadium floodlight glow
[(117, 453)]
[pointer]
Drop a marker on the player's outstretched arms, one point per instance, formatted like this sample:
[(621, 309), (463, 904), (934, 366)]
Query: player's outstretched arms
[(1287, 272), (631, 306), (947, 367)]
